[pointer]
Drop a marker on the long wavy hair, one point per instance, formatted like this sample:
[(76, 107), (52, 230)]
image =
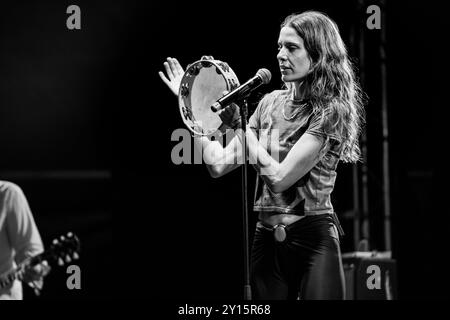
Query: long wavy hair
[(331, 86)]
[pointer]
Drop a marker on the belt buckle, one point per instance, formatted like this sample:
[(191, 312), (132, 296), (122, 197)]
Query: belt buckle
[(279, 232)]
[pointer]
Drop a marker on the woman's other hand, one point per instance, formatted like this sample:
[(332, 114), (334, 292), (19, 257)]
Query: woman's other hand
[(230, 115), (174, 74)]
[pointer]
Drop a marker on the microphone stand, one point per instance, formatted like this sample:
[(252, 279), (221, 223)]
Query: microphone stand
[(243, 110)]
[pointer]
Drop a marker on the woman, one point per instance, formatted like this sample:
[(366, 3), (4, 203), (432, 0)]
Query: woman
[(317, 120)]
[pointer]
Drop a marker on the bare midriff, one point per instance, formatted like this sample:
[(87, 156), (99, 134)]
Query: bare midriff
[(282, 218)]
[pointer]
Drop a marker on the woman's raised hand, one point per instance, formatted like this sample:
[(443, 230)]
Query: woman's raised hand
[(174, 74)]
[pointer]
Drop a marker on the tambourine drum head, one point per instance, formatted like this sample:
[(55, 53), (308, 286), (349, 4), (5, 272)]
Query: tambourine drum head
[(208, 86)]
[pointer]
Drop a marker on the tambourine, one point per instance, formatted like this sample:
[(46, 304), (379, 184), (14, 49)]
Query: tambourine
[(203, 83)]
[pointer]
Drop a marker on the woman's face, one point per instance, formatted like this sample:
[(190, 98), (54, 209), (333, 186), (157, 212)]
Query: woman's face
[(293, 59)]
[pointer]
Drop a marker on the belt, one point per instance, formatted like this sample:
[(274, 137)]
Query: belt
[(279, 231)]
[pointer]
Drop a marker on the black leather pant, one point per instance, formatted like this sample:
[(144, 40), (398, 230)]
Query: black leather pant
[(306, 265)]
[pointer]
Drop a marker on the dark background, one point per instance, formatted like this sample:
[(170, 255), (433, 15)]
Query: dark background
[(86, 124)]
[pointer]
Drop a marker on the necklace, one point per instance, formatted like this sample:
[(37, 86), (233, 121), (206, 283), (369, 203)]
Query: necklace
[(295, 114)]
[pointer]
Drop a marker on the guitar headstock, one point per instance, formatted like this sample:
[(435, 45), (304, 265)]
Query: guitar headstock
[(64, 249)]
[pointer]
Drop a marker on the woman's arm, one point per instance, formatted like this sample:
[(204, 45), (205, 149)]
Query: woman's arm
[(219, 160), (303, 156)]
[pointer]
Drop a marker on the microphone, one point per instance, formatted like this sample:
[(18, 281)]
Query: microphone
[(263, 76)]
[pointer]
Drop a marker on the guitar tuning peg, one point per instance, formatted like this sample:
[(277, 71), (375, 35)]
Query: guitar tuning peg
[(62, 238), (69, 234), (68, 260), (60, 262), (55, 241), (75, 256)]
